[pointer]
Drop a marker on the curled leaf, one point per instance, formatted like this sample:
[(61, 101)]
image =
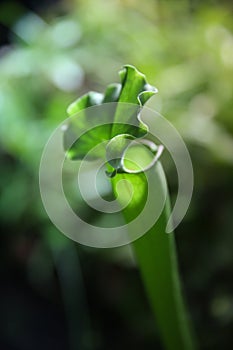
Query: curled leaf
[(115, 149), (126, 154), (92, 98), (83, 133), (137, 158)]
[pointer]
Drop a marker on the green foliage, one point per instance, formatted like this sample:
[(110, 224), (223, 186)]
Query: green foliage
[(133, 89), (185, 47), (156, 250)]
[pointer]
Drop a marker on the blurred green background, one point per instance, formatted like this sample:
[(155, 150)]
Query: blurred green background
[(55, 293)]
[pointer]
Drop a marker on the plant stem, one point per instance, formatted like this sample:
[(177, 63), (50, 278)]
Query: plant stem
[(155, 253)]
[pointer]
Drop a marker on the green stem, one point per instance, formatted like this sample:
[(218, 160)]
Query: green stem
[(155, 253)]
